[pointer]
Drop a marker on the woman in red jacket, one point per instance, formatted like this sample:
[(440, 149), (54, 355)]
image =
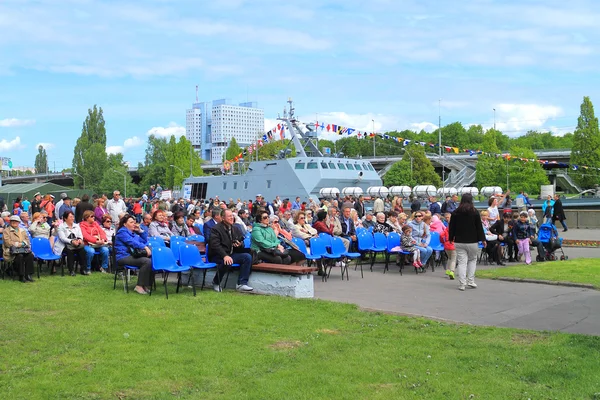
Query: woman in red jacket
[(94, 239), (320, 225)]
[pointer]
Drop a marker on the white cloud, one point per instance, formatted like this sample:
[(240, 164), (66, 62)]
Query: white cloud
[(46, 146), (516, 119), (14, 144), (172, 130), (133, 142), (14, 122), (270, 123), (114, 149), (423, 126), (127, 144)]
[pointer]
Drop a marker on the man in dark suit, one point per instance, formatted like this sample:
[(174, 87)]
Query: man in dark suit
[(503, 228), (359, 206), (226, 247), (216, 218)]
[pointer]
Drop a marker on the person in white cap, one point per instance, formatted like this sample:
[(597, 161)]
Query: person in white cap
[(35, 203)]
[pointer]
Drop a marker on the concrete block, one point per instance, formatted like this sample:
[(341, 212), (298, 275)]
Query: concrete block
[(297, 286)]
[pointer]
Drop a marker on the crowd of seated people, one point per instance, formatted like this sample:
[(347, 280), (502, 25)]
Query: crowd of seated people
[(272, 226)]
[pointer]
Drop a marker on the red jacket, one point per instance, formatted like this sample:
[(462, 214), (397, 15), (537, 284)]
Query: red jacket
[(448, 245), (321, 227), (92, 232)]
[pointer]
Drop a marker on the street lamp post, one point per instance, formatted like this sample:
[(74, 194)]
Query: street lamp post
[(82, 178), (373, 121), (124, 180), (175, 166), (507, 173), (494, 119)]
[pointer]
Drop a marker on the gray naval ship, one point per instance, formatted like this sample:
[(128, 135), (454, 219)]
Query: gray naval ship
[(308, 175)]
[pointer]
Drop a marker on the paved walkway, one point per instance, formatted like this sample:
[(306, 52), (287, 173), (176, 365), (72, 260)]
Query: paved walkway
[(497, 303)]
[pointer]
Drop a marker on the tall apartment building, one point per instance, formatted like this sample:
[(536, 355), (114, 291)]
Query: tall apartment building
[(211, 125)]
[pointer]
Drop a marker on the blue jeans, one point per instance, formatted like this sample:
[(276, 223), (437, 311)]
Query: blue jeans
[(90, 252), (245, 262), (426, 252)]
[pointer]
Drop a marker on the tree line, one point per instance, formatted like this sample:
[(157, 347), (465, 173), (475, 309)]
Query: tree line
[(167, 161)]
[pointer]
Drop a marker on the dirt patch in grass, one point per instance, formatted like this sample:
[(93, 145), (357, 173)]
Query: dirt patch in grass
[(286, 345), (328, 331), (528, 338)]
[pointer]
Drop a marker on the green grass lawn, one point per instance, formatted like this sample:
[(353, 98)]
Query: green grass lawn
[(68, 338), (582, 270)]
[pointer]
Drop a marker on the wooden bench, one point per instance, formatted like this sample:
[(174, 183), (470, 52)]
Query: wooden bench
[(284, 269)]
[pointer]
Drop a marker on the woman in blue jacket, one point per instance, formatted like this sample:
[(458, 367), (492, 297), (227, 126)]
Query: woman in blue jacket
[(130, 238)]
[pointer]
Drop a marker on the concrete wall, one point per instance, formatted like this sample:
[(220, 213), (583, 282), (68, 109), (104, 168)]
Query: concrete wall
[(578, 219)]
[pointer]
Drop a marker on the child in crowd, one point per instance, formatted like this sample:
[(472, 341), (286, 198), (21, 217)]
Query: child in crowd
[(523, 233), (409, 244), (449, 248)]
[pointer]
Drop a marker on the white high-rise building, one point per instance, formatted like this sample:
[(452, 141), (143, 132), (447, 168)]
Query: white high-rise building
[(210, 134)]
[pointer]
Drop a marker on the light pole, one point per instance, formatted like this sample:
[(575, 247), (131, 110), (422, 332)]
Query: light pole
[(82, 178), (124, 180), (507, 173), (494, 119), (373, 121), (411, 162), (175, 166), (440, 127)]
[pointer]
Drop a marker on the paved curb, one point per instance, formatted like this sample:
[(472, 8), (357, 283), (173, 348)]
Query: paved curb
[(543, 282)]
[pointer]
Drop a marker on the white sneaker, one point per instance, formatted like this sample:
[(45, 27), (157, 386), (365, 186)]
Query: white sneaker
[(461, 288), (217, 288), (338, 264), (243, 288), (472, 285)]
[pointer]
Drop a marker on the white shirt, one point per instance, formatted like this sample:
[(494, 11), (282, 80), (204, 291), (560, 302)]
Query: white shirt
[(115, 208), (494, 213)]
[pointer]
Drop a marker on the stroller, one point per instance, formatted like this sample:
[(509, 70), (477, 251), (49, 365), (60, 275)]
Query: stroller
[(548, 236)]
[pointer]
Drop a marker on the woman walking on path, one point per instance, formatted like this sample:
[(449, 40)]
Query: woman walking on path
[(466, 230), (559, 213)]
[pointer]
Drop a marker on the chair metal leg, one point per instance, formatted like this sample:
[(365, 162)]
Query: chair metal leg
[(193, 282), (166, 276), (178, 282), (387, 262)]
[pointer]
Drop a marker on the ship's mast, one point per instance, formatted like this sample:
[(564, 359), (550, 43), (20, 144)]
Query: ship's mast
[(302, 139)]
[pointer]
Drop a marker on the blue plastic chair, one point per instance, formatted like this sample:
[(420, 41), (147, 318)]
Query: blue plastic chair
[(156, 241), (337, 246), (41, 249), (365, 245), (326, 238), (379, 245), (196, 238), (163, 260), (176, 237), (175, 245), (247, 242), (125, 269), (394, 240), (189, 256), (319, 247), (436, 244), (302, 247), (360, 230)]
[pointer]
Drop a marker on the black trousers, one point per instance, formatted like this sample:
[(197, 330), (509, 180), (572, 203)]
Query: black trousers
[(23, 264), (511, 246), (494, 250), (145, 266), (81, 255), (296, 255), (273, 259)]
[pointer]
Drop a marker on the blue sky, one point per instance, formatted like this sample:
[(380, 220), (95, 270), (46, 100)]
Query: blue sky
[(346, 61)]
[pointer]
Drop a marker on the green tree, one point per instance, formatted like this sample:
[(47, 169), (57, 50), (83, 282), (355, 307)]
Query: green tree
[(271, 150), (525, 176), (89, 159), (490, 170), (586, 146), (41, 161), (233, 150), (423, 172), (112, 178)]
